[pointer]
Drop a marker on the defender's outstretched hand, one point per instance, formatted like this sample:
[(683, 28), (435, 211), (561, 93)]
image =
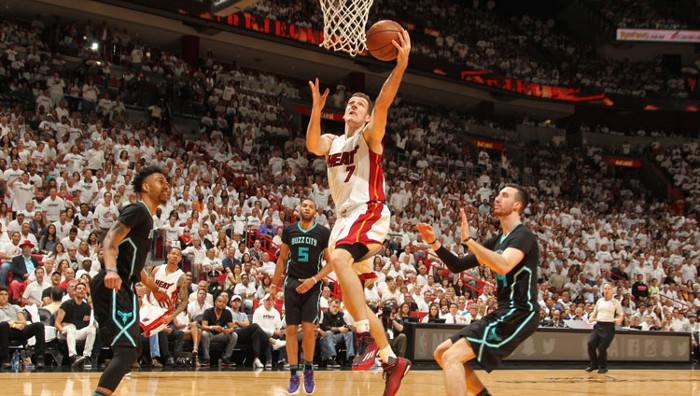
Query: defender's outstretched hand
[(426, 232), (465, 224)]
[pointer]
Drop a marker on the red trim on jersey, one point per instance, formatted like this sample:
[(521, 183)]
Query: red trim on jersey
[(367, 276), (376, 177), (361, 226), (154, 325)]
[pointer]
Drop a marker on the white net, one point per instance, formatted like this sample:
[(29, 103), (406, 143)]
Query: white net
[(344, 25)]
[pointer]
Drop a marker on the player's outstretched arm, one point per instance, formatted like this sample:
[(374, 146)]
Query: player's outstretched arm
[(377, 125), (315, 142), (452, 262)]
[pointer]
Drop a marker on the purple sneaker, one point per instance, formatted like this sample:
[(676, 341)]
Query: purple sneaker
[(293, 385), (309, 384)]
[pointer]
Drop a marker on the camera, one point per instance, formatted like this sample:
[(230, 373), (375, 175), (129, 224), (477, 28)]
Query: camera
[(389, 309)]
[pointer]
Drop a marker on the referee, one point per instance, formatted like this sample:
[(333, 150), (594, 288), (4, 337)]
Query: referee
[(607, 313)]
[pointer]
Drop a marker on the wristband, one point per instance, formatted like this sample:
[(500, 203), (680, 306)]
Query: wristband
[(469, 238), (108, 269), (314, 278)]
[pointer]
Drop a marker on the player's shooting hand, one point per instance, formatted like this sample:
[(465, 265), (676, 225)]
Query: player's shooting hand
[(403, 45), (305, 285), (426, 232), (113, 281), (319, 100)]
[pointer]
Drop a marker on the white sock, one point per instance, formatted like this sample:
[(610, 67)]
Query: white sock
[(386, 353), (362, 326)]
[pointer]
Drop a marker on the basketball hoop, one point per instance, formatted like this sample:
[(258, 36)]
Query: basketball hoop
[(344, 25)]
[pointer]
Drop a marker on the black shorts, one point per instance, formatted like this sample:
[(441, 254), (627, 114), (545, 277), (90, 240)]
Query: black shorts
[(301, 307), (117, 313), (495, 336)]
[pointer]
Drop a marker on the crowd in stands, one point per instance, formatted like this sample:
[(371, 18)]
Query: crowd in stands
[(681, 166), (526, 47), (645, 14), (69, 153)]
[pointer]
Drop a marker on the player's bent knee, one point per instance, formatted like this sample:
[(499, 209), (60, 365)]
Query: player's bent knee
[(451, 356), (439, 352)]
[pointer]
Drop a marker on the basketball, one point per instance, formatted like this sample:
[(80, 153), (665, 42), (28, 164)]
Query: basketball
[(379, 38)]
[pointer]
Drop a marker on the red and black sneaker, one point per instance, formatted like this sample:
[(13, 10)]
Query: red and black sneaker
[(394, 371), (365, 352)]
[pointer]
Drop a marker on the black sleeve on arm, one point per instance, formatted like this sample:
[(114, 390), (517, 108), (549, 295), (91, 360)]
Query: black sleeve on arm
[(456, 264), (133, 215)]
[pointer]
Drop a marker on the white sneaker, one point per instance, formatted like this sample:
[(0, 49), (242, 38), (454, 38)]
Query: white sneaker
[(278, 344), (258, 364), (268, 366)]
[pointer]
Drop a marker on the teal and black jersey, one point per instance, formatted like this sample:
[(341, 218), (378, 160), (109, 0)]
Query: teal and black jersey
[(518, 288), (133, 249), (305, 249), (496, 335)]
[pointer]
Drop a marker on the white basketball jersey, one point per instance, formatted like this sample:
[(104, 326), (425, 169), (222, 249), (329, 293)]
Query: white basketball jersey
[(355, 173), (167, 282)]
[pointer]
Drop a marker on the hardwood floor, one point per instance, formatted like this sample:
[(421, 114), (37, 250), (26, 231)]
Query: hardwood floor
[(340, 383)]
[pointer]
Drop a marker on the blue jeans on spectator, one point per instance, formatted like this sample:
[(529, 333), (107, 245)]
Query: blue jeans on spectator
[(154, 346), (5, 268), (328, 343), (268, 352)]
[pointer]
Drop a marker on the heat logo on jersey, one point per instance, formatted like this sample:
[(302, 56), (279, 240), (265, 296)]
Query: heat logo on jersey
[(164, 285), (342, 158)]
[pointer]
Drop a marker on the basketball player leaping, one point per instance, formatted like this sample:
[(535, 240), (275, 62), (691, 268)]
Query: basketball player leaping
[(356, 181), (126, 247)]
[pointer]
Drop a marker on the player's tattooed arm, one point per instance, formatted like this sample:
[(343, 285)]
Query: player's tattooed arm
[(183, 296)]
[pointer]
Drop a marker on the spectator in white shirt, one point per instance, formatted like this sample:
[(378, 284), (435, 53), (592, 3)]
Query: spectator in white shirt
[(72, 239), (32, 294), (53, 205), (21, 191)]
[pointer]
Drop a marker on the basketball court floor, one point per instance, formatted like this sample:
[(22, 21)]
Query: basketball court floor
[(520, 382)]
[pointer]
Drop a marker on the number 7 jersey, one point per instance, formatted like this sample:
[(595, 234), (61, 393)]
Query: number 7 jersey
[(355, 173)]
